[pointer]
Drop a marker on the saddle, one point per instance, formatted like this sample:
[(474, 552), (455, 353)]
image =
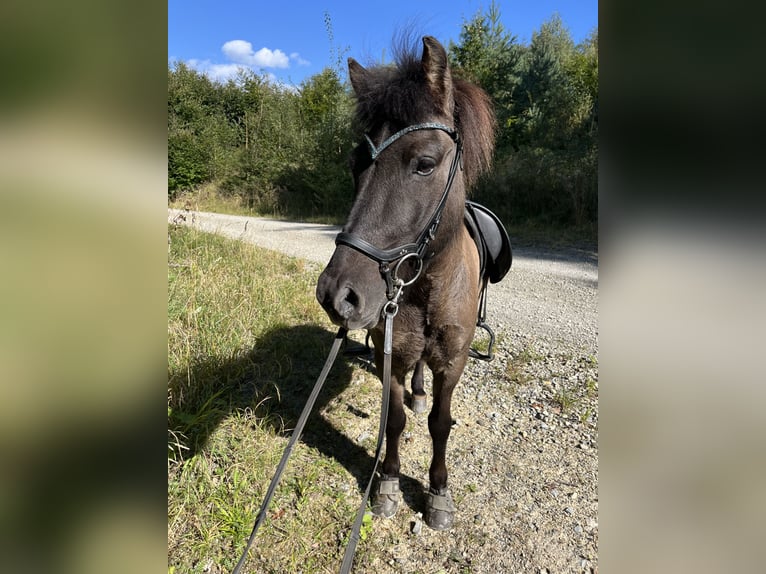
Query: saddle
[(495, 258), (491, 240)]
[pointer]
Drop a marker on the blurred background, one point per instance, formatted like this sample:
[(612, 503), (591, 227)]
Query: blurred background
[(683, 273), (82, 286)]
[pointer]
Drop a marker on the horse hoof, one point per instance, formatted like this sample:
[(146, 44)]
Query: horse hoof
[(440, 510), (418, 404), (387, 498)]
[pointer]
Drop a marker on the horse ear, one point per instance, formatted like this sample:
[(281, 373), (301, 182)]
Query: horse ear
[(438, 76), (358, 76)]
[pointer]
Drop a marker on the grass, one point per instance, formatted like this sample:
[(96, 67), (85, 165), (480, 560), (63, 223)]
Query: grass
[(207, 198), (566, 399), (572, 398), (516, 369), (246, 341)]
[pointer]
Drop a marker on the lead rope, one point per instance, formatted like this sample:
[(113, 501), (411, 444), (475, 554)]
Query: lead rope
[(293, 439), (389, 312)]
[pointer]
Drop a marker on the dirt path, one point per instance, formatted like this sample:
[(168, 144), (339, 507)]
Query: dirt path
[(523, 453)]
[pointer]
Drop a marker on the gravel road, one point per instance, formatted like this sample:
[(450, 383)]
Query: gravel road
[(523, 453), (549, 295)]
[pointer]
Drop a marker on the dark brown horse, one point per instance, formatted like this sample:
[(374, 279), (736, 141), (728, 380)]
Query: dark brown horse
[(428, 136)]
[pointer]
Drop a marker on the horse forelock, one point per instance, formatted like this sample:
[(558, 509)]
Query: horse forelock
[(395, 95), (398, 95)]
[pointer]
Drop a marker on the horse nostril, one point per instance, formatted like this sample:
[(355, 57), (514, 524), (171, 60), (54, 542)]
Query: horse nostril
[(352, 298), (348, 302)]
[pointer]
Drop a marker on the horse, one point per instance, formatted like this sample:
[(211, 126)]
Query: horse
[(428, 136)]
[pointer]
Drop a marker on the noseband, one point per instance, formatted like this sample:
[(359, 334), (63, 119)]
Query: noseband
[(417, 250)]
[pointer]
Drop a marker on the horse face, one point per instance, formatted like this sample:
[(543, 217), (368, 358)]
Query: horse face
[(396, 195)]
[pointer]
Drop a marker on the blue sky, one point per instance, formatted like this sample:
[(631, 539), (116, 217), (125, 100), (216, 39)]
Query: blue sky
[(289, 42)]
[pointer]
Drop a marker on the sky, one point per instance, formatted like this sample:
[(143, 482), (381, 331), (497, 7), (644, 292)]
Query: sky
[(288, 41)]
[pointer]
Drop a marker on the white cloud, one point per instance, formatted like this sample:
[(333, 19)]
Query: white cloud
[(218, 72), (241, 52), (224, 72), (296, 57), (237, 50), (241, 56)]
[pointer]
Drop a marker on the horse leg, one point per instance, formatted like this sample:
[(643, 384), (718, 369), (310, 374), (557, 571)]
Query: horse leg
[(387, 495), (440, 510), (418, 393)]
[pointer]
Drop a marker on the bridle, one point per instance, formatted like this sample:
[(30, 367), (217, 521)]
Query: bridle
[(417, 250)]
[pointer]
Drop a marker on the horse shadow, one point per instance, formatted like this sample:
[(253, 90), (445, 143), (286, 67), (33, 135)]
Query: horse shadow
[(274, 380)]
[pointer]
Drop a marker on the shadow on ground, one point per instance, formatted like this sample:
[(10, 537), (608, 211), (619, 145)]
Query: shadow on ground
[(274, 380)]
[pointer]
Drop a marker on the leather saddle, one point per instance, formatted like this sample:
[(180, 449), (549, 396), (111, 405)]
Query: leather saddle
[(491, 240), (495, 258)]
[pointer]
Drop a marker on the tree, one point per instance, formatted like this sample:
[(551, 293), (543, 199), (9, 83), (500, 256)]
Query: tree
[(326, 110), (189, 96), (546, 102), (201, 139), (557, 135), (490, 57)]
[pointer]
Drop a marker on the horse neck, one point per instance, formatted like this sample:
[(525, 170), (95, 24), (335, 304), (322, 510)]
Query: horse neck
[(449, 234)]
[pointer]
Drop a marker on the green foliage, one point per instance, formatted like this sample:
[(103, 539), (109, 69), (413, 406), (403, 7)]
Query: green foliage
[(276, 150), (279, 150), (326, 110), (546, 101), (186, 161), (366, 528), (491, 57)]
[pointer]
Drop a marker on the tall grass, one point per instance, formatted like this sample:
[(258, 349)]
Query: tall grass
[(246, 341)]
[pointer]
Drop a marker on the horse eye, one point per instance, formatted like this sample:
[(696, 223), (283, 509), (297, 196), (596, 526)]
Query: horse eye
[(425, 166)]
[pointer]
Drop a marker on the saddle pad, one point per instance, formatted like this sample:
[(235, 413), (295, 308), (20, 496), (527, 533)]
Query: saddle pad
[(491, 239)]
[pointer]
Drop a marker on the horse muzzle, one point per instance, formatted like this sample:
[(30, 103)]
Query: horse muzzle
[(346, 302)]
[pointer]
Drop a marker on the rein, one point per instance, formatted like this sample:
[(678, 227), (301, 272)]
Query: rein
[(394, 290), (291, 444), (390, 309)]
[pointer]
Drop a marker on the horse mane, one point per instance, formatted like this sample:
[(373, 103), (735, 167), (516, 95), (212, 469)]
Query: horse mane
[(397, 93)]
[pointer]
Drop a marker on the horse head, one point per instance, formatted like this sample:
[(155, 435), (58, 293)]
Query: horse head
[(410, 189)]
